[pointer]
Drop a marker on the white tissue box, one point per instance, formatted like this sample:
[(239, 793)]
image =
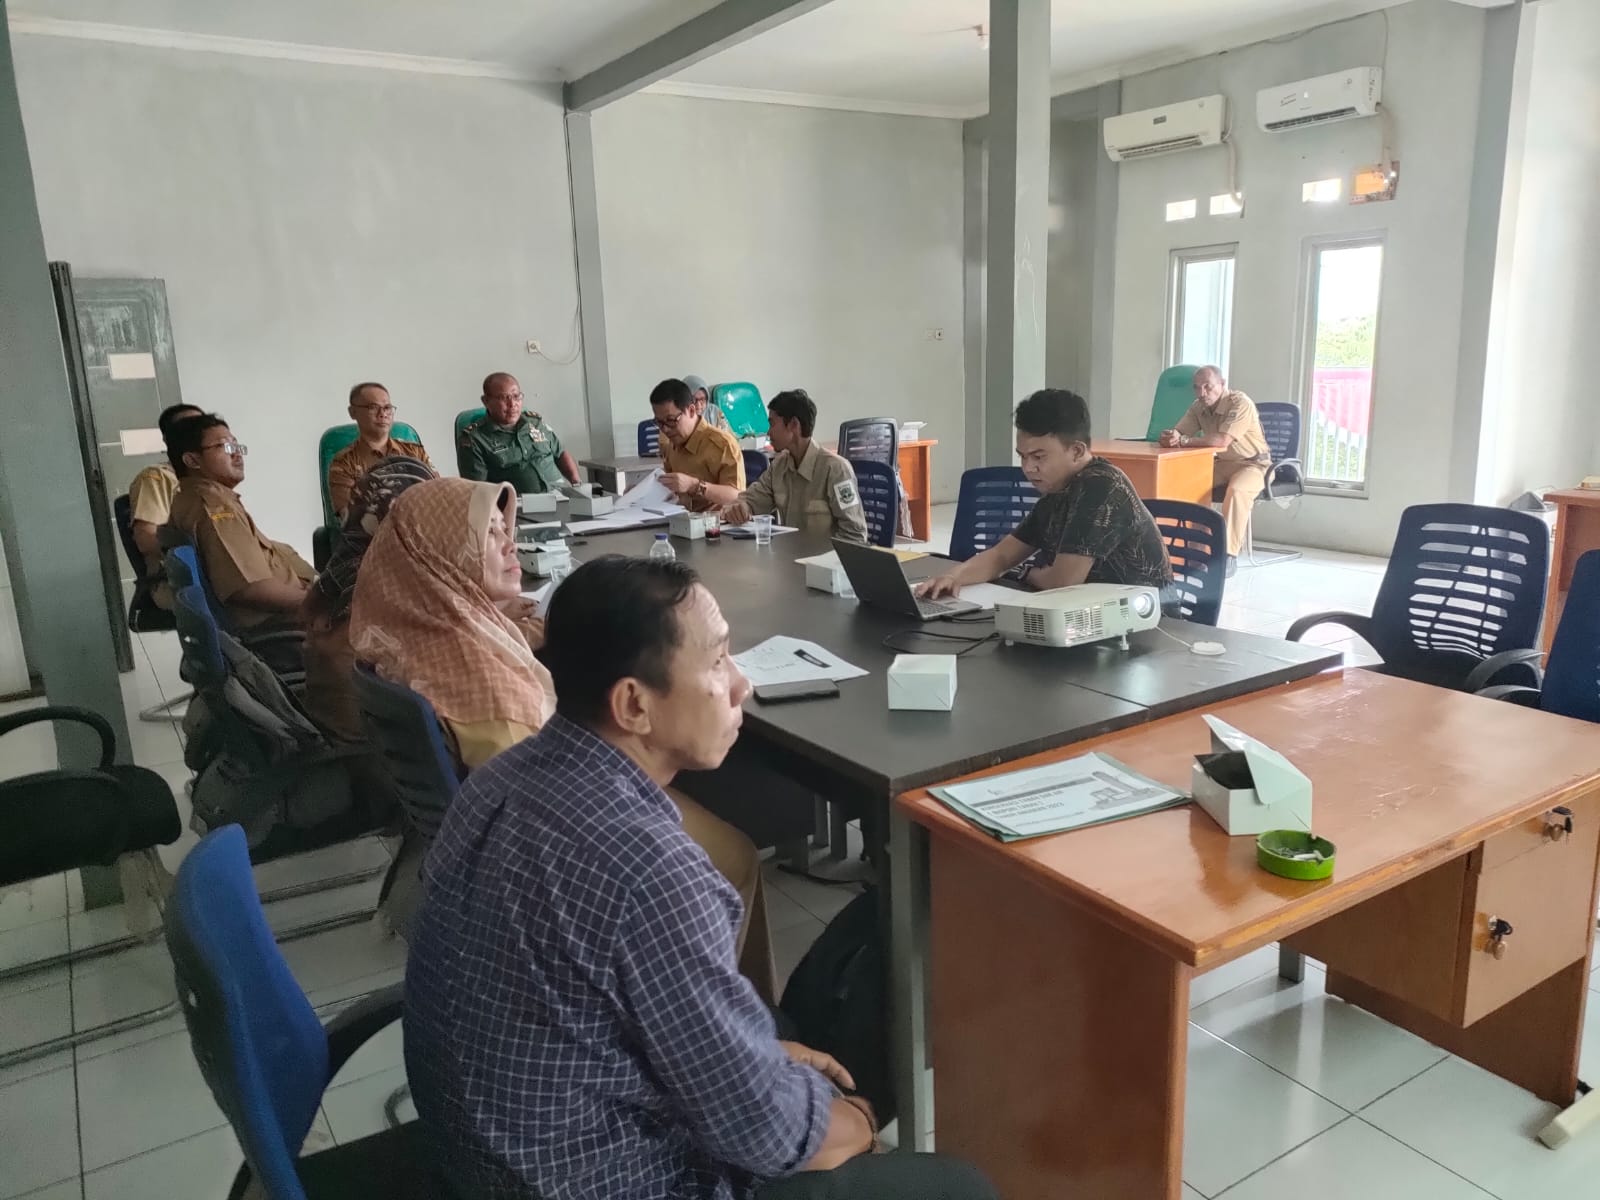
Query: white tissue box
[(537, 504), (1279, 799), (588, 500), (547, 559), (923, 681), (689, 525), (827, 579)]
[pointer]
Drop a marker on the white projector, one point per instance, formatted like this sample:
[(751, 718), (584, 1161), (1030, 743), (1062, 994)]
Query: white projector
[(1072, 616)]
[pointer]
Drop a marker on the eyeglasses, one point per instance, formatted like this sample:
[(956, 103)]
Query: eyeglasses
[(670, 422), (384, 410), (506, 397), (228, 448)]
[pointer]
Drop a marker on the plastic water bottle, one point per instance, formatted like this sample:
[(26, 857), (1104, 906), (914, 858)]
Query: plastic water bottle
[(662, 550)]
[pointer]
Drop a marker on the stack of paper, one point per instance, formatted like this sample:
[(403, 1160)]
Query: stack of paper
[(1088, 790), (620, 519), (792, 660)]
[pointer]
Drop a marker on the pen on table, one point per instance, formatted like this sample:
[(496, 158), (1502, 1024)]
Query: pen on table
[(810, 658)]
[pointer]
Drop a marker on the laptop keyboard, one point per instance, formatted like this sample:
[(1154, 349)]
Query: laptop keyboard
[(940, 608)]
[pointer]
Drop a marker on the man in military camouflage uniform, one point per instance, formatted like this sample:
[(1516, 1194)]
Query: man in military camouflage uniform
[(507, 445)]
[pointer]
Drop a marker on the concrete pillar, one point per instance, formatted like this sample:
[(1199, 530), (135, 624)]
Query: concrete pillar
[(1018, 213)]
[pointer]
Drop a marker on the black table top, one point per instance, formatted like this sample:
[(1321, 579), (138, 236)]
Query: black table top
[(1011, 701)]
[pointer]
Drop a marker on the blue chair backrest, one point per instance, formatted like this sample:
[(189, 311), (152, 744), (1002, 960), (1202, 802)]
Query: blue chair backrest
[(258, 1042), (755, 465), (649, 439), (1197, 548), (184, 570), (880, 500), (411, 752), (992, 503), (874, 438), (203, 664), (1572, 670), (1281, 425), (1464, 581)]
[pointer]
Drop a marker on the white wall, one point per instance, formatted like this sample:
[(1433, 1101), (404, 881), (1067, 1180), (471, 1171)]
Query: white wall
[(1541, 410), (315, 225), (1070, 283), (790, 247), (1433, 62)]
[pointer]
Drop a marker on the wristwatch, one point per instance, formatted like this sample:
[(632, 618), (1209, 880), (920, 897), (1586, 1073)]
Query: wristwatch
[(700, 492), (1183, 439)]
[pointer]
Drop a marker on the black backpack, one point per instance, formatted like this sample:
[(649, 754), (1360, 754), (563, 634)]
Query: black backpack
[(838, 999)]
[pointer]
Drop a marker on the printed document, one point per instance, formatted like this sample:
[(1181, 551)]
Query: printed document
[(792, 660), (1087, 790)]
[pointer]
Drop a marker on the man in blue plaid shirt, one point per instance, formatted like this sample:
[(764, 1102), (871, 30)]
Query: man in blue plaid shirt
[(576, 1026)]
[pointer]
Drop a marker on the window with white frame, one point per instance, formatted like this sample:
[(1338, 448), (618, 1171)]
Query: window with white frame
[(1343, 281), (1200, 307)]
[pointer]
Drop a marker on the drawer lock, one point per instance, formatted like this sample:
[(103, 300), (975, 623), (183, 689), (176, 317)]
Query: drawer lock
[(1499, 931), (1558, 823)]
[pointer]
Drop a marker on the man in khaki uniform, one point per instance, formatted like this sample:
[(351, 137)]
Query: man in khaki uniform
[(258, 581), (702, 465), (1227, 420), (806, 486), (150, 500), (373, 412)]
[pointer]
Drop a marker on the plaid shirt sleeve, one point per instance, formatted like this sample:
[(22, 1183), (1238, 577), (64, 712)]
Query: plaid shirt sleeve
[(707, 1036)]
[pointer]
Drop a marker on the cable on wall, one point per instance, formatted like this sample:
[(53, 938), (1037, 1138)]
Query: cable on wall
[(567, 359)]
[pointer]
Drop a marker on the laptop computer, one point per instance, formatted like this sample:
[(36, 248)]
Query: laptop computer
[(879, 579)]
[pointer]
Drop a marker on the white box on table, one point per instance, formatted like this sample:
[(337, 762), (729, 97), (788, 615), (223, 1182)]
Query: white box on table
[(537, 504), (691, 525), (923, 682), (1279, 799)]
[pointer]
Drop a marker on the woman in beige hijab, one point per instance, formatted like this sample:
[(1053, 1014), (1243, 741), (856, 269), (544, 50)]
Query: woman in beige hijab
[(439, 607)]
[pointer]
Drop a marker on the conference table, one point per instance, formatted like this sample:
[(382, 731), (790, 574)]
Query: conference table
[(1061, 966), (1011, 701)]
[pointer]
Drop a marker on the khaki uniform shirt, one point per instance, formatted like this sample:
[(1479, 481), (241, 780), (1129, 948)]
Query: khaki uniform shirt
[(356, 459), (525, 456), (818, 494), (708, 453), (150, 499), (232, 551), (1235, 414)]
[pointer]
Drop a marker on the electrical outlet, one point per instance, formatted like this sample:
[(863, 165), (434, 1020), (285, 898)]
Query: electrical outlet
[(935, 335), (533, 346)]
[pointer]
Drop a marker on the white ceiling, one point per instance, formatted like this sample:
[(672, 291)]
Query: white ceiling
[(893, 55)]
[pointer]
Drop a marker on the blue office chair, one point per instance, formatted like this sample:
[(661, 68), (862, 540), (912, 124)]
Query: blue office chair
[(279, 647), (1197, 547), (260, 1047), (755, 465), (1464, 583), (1285, 478), (649, 439), (1569, 684), (880, 500), (992, 503)]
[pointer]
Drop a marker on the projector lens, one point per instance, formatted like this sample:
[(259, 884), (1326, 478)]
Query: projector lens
[(1144, 604)]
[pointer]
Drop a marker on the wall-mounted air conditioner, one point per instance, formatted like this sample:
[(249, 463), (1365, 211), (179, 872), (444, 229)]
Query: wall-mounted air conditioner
[(1151, 131), (1342, 96)]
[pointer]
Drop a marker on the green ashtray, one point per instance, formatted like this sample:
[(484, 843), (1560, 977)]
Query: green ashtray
[(1295, 854)]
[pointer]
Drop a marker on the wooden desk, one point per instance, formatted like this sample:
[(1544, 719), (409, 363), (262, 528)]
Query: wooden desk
[(1060, 966), (1163, 472), (1577, 531)]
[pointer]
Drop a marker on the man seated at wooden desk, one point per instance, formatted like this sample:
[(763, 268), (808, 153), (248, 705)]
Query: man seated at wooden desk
[(507, 445), (703, 465), (150, 502), (576, 1024), (1089, 525), (373, 412), (1226, 419), (807, 486)]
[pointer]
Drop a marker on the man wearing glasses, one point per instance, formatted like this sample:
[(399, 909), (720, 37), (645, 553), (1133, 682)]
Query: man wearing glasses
[(259, 581), (507, 445), (701, 465), (373, 412)]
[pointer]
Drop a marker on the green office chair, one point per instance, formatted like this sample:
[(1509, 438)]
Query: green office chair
[(464, 418), (741, 404), (1174, 394)]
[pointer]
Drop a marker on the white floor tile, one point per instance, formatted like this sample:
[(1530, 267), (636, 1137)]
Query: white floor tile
[(72, 1189), (355, 1110), (329, 1000), (821, 900), (31, 943), (326, 960), (299, 912), (1484, 1129), (782, 912), (1589, 1051), (28, 749), (34, 901), (123, 985), (362, 854), (1339, 1051), (1240, 971), (142, 1097), (790, 945), (153, 744), (32, 1018), (202, 1167), (39, 1124), (1353, 1161), (1190, 1194), (384, 1051), (1240, 1115)]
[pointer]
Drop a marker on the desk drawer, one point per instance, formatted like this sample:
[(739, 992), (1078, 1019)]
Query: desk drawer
[(1545, 891)]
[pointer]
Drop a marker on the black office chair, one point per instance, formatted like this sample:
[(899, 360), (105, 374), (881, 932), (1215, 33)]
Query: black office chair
[(1465, 582), (1197, 548), (1285, 482), (66, 819), (873, 439), (144, 614)]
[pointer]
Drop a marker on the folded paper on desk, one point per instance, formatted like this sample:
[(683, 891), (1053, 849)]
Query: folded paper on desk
[(541, 598), (622, 519), (1088, 790), (1248, 787), (792, 660)]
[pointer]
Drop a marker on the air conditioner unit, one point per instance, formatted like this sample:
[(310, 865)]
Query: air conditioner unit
[(1151, 131), (1342, 96)]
